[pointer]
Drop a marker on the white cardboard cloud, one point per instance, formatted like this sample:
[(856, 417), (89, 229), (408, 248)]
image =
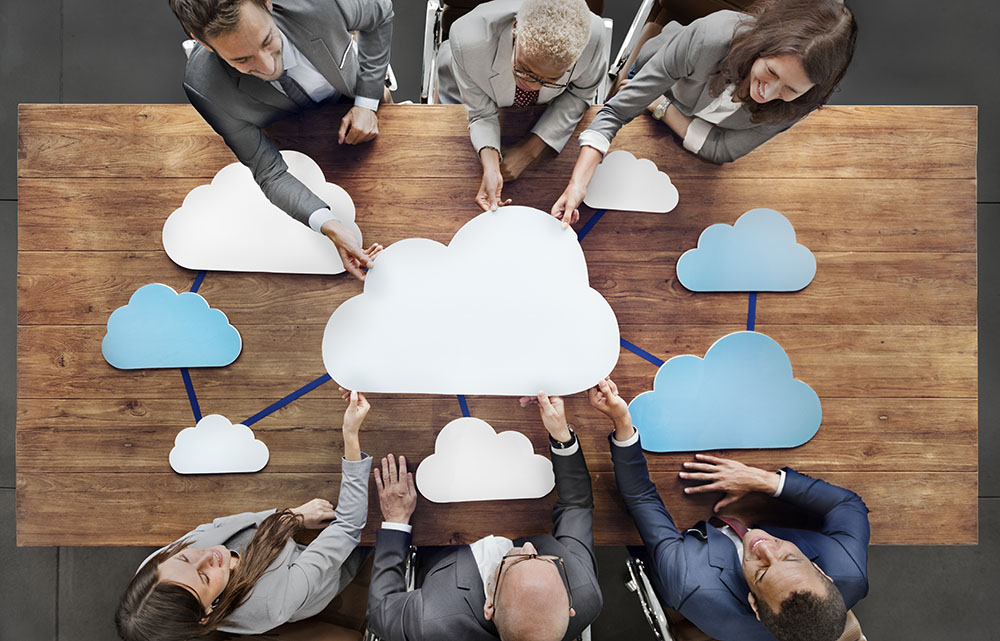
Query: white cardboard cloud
[(216, 446), (626, 183), (230, 225), (505, 309), (471, 462)]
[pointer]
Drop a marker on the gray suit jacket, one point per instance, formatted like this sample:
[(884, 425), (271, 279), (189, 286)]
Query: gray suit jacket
[(680, 64), (449, 603), (238, 106), (303, 579), (474, 68)]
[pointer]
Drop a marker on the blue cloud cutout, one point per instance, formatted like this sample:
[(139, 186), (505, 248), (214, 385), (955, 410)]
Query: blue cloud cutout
[(741, 395), (757, 254), (161, 328)]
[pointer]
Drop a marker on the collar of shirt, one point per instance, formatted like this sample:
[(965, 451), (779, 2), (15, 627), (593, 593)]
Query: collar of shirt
[(728, 531), (488, 552)]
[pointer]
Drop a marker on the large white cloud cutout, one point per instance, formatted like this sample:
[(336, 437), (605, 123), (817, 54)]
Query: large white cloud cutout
[(626, 183), (230, 225), (757, 254), (505, 309), (216, 446), (471, 462)]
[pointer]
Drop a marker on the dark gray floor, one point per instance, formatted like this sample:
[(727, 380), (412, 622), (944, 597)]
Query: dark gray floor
[(128, 51)]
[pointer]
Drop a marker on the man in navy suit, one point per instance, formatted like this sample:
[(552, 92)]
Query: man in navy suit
[(759, 584)]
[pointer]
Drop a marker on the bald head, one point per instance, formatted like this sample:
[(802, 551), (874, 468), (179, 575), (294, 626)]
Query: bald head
[(532, 603)]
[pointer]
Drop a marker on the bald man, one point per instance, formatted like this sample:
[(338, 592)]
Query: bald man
[(541, 587)]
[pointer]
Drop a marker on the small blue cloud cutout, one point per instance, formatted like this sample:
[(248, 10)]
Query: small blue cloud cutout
[(757, 254), (161, 328), (741, 395)]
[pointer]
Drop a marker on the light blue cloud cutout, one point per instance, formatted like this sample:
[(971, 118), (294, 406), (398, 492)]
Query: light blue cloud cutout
[(161, 328), (757, 254), (741, 395)]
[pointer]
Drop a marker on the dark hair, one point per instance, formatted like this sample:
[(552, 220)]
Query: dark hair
[(820, 33), (155, 611), (206, 19), (806, 616)]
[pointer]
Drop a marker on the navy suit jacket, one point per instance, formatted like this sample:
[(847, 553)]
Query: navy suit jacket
[(697, 572)]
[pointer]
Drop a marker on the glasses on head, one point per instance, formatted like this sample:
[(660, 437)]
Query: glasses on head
[(513, 559), (527, 76)]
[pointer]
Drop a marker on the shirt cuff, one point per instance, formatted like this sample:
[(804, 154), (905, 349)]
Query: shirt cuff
[(320, 216), (367, 103), (591, 138), (781, 483), (567, 451), (629, 442), (697, 133), (402, 527)]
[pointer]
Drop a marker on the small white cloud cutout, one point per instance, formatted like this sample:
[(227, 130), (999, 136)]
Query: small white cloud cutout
[(505, 309), (471, 462), (216, 446), (230, 225), (625, 183)]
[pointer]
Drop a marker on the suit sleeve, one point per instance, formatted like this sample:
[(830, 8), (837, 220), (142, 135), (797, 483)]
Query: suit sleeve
[(372, 19), (484, 115), (256, 151), (726, 145), (393, 613), (656, 527), (556, 125), (573, 514)]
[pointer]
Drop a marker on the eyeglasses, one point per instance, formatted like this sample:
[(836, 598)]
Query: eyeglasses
[(513, 559), (527, 76)]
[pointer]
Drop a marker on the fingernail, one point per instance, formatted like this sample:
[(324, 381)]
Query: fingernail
[(687, 490)]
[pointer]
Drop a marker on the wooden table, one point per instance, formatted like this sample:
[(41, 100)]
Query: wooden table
[(886, 333)]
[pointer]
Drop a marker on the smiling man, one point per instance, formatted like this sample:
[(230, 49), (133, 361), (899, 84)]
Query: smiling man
[(520, 53), (733, 583), (259, 61)]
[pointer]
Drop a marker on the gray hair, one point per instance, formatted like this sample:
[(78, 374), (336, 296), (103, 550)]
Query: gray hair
[(554, 30)]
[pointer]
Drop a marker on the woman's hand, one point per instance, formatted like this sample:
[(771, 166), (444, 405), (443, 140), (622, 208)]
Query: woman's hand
[(566, 208), (492, 184), (316, 514), (354, 416)]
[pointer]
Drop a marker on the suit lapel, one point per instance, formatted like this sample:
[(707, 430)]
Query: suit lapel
[(722, 555), (468, 580), (265, 92), (502, 80), (318, 51)]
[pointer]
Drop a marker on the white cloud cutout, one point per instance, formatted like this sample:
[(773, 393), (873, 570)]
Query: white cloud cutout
[(626, 183), (471, 462), (230, 225), (505, 309), (216, 446)]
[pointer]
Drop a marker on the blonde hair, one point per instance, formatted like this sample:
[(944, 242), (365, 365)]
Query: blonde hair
[(554, 30)]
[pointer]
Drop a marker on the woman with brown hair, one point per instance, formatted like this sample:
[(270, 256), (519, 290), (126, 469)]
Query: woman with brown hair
[(244, 574), (726, 83)]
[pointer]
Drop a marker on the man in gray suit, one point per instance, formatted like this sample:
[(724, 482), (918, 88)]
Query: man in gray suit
[(542, 587), (520, 53), (260, 61)]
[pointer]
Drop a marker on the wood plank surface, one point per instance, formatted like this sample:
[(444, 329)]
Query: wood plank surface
[(885, 334)]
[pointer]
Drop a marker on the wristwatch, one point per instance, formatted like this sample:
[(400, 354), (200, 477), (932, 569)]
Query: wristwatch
[(559, 445), (661, 108)]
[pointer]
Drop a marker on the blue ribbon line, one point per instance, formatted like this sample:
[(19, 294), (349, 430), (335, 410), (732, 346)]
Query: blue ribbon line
[(752, 311), (641, 352), (274, 407), (197, 281), (191, 396), (590, 223), (464, 405)]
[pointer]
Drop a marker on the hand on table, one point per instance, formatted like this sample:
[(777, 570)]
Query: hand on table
[(351, 254), (316, 514), (520, 156), (397, 495), (358, 125), (729, 476)]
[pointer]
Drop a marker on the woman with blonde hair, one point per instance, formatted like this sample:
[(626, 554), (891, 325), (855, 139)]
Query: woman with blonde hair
[(244, 574)]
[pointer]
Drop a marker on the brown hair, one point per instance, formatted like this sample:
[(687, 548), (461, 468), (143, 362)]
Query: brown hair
[(820, 33), (154, 611), (806, 616), (206, 19)]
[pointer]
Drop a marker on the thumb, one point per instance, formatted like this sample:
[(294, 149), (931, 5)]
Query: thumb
[(345, 124), (723, 502), (543, 400), (354, 398)]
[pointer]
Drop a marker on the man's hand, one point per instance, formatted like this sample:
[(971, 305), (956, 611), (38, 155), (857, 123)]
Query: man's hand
[(520, 156), (358, 125), (553, 415), (566, 208), (316, 514), (351, 254), (729, 476), (605, 399), (397, 495)]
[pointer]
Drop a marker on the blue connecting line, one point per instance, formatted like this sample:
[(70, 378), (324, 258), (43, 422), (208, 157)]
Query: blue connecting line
[(590, 223), (641, 352), (197, 281), (191, 396), (274, 407), (752, 311), (464, 405)]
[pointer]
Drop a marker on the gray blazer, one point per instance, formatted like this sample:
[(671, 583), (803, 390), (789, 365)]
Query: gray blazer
[(474, 68), (238, 106), (680, 63), (449, 603), (303, 579)]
